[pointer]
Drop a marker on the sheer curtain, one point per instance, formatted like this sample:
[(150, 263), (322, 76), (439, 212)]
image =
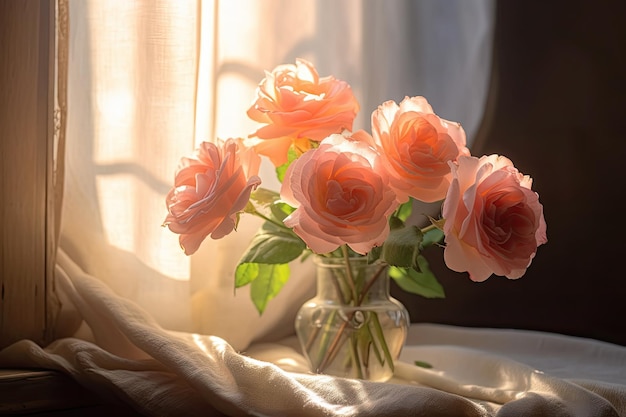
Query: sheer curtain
[(148, 80)]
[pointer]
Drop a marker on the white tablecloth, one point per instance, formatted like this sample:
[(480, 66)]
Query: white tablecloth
[(475, 372)]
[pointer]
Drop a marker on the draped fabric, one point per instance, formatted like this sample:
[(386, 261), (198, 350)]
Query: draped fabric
[(149, 80), (167, 334), (472, 372)]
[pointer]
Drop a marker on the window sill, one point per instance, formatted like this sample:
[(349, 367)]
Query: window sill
[(49, 393)]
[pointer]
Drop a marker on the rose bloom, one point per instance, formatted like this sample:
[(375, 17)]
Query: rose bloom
[(210, 190), (493, 220), (340, 194), (296, 106), (416, 146)]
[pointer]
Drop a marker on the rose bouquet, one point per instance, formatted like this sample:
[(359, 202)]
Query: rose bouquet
[(349, 195)]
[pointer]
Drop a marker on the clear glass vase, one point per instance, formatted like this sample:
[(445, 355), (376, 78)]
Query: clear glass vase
[(352, 328)]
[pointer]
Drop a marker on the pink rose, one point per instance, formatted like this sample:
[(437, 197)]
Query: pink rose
[(493, 220), (416, 146), (210, 190), (296, 106), (341, 195)]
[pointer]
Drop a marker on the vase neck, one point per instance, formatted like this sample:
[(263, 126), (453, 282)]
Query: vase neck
[(353, 283)]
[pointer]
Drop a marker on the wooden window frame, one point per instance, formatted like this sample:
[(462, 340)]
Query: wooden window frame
[(27, 234)]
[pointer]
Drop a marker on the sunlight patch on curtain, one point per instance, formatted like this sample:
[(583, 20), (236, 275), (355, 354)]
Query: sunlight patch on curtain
[(148, 81), (145, 88)]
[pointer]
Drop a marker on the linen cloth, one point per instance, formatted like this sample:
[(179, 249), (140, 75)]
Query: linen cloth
[(124, 355)]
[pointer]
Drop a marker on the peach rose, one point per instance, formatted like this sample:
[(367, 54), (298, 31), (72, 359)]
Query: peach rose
[(210, 190), (296, 106), (416, 146), (493, 220), (341, 195)]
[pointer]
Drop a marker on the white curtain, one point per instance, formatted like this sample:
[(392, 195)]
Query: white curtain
[(148, 80)]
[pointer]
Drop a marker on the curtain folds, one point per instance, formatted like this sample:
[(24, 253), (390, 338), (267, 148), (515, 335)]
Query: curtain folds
[(60, 109), (140, 84), (149, 80)]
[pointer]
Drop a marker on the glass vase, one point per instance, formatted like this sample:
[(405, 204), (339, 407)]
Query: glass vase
[(352, 328)]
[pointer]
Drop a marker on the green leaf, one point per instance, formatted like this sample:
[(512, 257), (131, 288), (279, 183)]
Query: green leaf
[(395, 223), (273, 244), (374, 254), (264, 197), (431, 237), (267, 284), (403, 246), (422, 283), (281, 210), (281, 170), (404, 210), (268, 205), (249, 208), (245, 274), (423, 364), (292, 155)]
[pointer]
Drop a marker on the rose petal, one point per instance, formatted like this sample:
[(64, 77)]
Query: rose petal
[(416, 146), (213, 187), (339, 195), (293, 102), (493, 220)]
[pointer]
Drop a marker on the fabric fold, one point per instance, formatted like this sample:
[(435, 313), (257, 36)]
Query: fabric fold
[(159, 372)]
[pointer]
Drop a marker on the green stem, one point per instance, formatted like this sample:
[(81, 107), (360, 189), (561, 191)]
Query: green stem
[(257, 213), (351, 283), (334, 346), (381, 337), (354, 349), (428, 228), (331, 318), (374, 346), (369, 284), (325, 339)]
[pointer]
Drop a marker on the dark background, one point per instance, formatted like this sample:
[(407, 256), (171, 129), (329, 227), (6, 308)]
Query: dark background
[(556, 108)]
